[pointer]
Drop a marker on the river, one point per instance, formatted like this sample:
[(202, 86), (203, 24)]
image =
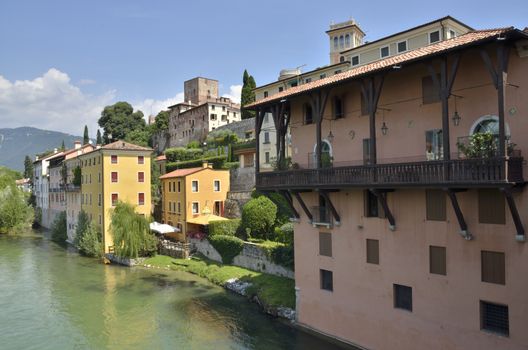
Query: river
[(52, 298)]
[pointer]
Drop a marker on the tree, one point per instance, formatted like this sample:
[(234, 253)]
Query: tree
[(15, 212), (99, 140), (247, 95), (120, 119), (86, 137), (88, 239), (28, 168), (63, 146), (258, 217), (131, 232), (162, 121), (59, 233), (139, 137)]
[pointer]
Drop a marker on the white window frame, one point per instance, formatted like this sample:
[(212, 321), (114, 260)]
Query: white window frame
[(198, 208), (219, 185), (197, 186), (439, 36), (141, 172), (117, 159), (114, 182), (406, 46), (352, 60), (452, 33), (219, 207), (144, 199), (381, 52)]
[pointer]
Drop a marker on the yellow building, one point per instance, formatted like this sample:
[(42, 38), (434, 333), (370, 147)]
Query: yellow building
[(191, 197), (119, 171)]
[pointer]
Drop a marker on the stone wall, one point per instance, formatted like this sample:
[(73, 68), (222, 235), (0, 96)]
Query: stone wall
[(242, 179), (252, 257), (234, 202)]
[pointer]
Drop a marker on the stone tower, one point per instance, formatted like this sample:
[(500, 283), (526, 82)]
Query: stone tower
[(199, 90), (343, 36)]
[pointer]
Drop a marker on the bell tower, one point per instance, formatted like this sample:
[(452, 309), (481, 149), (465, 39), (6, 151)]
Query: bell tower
[(343, 36)]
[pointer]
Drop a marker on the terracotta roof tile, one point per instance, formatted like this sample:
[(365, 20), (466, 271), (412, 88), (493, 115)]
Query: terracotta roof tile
[(125, 146), (409, 56), (161, 158), (181, 172)]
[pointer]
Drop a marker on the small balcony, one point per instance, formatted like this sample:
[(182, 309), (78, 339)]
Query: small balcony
[(321, 216), (455, 173)]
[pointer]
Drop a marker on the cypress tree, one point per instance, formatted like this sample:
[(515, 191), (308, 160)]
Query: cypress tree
[(86, 137), (99, 140), (248, 95)]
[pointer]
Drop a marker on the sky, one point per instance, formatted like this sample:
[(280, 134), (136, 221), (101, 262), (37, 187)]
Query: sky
[(62, 61)]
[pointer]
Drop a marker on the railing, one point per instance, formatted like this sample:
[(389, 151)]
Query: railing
[(321, 216), (458, 173)]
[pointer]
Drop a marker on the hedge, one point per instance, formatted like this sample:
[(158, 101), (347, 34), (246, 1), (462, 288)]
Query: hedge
[(224, 227), (227, 246), (231, 165), (280, 253), (180, 154), (217, 161)]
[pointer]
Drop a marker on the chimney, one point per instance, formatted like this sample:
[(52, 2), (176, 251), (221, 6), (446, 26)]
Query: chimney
[(206, 165), (77, 144), (55, 150)]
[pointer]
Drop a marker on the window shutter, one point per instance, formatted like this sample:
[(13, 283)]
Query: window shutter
[(493, 267), (491, 207), (437, 260), (372, 251), (325, 244), (435, 202), (494, 318), (430, 92)]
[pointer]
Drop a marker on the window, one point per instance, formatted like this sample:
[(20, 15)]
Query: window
[(435, 203), (327, 280), (115, 198), (216, 185), (452, 34), (99, 199), (342, 59), (322, 76), (266, 157), (342, 42), (141, 176), (266, 137), (281, 89), (325, 244), (217, 210), (338, 107), (437, 260), (434, 37), (491, 207), (493, 267), (141, 160), (337, 71), (355, 60), (366, 151), (213, 116), (372, 207), (308, 80), (179, 186), (373, 251), (213, 106), (141, 199), (402, 297), (99, 178), (308, 114), (195, 208), (336, 43), (494, 318), (194, 185), (347, 40), (430, 90), (179, 207), (402, 46), (100, 220), (434, 144), (384, 51), (113, 159), (114, 176)]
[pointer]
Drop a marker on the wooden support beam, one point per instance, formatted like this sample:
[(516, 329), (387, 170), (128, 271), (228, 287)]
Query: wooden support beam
[(287, 196), (303, 206), (520, 236), (460, 217), (332, 208), (258, 126), (371, 92), (382, 198), (318, 101)]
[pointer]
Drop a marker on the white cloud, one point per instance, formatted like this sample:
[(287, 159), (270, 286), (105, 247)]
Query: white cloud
[(234, 93), (151, 106), (51, 102), (87, 82)]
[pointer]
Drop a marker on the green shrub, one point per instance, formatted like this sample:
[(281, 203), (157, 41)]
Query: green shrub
[(221, 138), (280, 253), (258, 217), (15, 212), (284, 234), (231, 165), (193, 144), (284, 212), (217, 161), (91, 242), (59, 232), (180, 154), (227, 246), (77, 176), (224, 227), (83, 221)]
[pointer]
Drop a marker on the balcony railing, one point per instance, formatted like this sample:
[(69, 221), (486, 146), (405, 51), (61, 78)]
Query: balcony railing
[(321, 216), (453, 173)]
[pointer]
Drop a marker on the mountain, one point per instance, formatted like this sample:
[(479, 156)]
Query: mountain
[(16, 143)]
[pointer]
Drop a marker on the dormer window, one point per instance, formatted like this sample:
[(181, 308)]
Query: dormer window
[(402, 46), (355, 60), (434, 37), (384, 51)]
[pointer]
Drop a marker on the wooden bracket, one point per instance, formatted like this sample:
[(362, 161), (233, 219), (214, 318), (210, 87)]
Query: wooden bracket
[(382, 198), (287, 196), (460, 217), (303, 206), (332, 208), (520, 236)]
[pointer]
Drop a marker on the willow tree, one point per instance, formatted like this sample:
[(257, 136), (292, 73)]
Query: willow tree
[(130, 232)]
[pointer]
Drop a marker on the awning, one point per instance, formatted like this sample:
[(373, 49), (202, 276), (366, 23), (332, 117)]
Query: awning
[(163, 228), (205, 219)]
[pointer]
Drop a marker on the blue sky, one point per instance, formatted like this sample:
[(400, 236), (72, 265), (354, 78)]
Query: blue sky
[(77, 56)]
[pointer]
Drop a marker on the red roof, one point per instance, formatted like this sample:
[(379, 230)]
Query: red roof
[(406, 57), (181, 172), (160, 158)]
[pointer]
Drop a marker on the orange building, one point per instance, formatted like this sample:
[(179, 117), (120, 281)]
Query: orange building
[(408, 236)]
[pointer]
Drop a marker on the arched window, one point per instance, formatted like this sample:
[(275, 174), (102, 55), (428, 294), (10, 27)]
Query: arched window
[(308, 113), (347, 40), (342, 59), (326, 154), (336, 43), (342, 42), (488, 123)]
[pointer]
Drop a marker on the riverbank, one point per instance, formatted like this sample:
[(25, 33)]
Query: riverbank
[(275, 295)]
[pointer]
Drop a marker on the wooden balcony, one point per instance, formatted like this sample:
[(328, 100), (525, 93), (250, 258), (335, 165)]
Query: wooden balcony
[(458, 173)]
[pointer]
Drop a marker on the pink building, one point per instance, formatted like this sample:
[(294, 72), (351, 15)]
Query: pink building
[(408, 192)]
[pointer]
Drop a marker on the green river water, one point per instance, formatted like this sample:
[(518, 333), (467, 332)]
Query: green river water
[(52, 298)]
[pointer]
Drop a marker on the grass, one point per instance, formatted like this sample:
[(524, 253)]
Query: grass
[(273, 291)]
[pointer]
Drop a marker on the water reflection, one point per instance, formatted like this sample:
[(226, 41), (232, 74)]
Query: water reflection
[(51, 298)]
